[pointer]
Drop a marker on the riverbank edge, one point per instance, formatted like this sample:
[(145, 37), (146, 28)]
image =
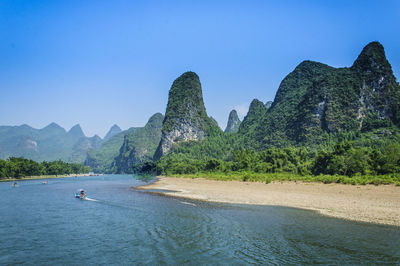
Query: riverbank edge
[(41, 177), (355, 209)]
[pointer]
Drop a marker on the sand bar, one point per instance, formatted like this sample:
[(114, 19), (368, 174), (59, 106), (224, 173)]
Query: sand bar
[(369, 203)]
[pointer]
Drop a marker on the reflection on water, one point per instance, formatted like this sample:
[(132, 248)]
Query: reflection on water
[(47, 225)]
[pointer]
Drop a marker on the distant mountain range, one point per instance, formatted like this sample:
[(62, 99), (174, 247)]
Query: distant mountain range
[(49, 143)]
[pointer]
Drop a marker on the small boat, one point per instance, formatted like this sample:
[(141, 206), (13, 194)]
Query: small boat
[(45, 182), (80, 194), (15, 184)]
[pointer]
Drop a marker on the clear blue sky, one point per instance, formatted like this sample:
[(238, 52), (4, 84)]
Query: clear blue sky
[(97, 63)]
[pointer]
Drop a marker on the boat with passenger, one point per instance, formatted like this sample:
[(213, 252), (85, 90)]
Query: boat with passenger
[(80, 194)]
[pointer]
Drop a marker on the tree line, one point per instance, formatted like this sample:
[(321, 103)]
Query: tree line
[(18, 167), (342, 159)]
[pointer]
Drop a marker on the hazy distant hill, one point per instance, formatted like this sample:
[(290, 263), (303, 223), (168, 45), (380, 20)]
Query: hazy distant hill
[(233, 122), (49, 143), (114, 130)]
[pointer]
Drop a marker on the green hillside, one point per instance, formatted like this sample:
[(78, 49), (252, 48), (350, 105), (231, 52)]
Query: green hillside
[(139, 146)]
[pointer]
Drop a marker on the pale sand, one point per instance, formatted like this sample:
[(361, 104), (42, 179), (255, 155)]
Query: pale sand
[(375, 204)]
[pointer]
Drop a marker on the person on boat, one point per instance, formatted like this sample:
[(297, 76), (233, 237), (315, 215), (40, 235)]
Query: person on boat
[(82, 193), (15, 184)]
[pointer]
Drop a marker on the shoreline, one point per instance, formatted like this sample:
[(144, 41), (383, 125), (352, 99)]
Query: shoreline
[(41, 177), (364, 203)]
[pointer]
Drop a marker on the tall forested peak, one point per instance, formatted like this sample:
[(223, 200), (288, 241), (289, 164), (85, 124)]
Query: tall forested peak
[(115, 129), (233, 122), (76, 131), (185, 100), (186, 117), (372, 58), (257, 111), (268, 104)]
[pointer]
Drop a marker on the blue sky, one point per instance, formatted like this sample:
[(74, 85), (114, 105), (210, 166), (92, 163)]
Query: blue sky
[(97, 63)]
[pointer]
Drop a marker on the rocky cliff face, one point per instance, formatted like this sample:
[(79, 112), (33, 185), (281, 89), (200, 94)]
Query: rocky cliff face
[(315, 99), (185, 118), (139, 145), (233, 122)]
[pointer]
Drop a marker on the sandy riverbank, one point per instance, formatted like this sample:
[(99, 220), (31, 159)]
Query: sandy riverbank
[(369, 203)]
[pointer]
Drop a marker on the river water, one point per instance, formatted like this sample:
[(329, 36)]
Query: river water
[(44, 224)]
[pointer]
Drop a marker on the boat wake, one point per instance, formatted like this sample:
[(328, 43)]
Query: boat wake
[(187, 203), (89, 199)]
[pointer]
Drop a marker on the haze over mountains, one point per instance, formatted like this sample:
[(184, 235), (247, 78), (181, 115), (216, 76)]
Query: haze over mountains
[(313, 103), (49, 143)]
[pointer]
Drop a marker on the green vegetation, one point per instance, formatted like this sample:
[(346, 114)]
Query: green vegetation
[(342, 163), (15, 167)]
